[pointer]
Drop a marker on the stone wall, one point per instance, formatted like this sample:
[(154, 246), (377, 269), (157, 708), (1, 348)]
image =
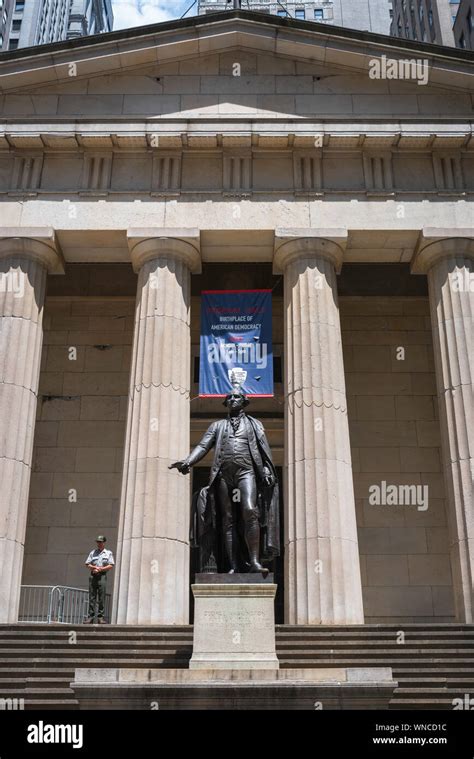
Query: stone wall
[(394, 429), (79, 436)]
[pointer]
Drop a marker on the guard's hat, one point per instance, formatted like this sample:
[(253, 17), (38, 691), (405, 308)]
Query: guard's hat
[(100, 539)]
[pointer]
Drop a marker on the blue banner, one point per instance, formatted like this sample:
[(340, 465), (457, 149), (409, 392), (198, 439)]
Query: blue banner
[(236, 343)]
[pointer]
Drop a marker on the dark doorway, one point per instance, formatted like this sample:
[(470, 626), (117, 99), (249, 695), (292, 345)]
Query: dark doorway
[(200, 477)]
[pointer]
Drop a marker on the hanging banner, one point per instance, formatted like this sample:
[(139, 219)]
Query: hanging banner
[(236, 343)]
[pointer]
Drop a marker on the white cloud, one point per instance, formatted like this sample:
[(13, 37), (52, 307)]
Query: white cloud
[(128, 13)]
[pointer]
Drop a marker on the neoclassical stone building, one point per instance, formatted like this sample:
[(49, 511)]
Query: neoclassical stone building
[(239, 150)]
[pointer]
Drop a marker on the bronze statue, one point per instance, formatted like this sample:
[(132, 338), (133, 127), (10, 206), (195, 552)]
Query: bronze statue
[(235, 519)]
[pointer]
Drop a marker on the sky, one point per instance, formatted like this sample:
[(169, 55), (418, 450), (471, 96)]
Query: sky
[(129, 13)]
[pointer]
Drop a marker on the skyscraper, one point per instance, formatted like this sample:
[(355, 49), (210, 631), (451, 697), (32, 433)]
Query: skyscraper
[(369, 15), (37, 22), (6, 10), (89, 17), (425, 20), (464, 25)]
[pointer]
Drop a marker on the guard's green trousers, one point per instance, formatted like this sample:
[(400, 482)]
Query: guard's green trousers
[(97, 589)]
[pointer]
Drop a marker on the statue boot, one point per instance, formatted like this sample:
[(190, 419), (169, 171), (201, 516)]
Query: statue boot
[(252, 538)]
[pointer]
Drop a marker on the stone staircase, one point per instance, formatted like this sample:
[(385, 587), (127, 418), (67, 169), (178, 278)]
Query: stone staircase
[(37, 661), (433, 666)]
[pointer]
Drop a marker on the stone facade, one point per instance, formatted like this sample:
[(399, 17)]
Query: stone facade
[(196, 155)]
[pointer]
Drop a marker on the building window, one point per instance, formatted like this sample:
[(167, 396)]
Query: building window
[(430, 18), (462, 41), (13, 45), (300, 14), (19, 6), (469, 20), (16, 25), (1, 40), (282, 14), (319, 14)]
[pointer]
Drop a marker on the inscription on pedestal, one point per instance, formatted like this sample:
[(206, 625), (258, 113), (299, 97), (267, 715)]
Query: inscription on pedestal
[(234, 626)]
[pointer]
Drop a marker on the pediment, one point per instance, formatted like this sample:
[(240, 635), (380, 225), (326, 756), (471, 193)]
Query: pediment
[(113, 64), (237, 82)]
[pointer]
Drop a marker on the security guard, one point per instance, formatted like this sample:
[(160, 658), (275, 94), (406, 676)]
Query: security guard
[(100, 561)]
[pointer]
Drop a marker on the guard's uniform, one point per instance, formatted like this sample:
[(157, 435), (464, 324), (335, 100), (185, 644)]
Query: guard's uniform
[(98, 582)]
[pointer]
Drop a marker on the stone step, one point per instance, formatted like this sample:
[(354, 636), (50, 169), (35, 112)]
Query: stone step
[(59, 646), (442, 682), (412, 704), (430, 692), (33, 692), (368, 630), (322, 645), (375, 635), (56, 704), (368, 658), (467, 646), (61, 626), (84, 650), (383, 662), (93, 630), (12, 672), (43, 682), (97, 662), (284, 630), (174, 647)]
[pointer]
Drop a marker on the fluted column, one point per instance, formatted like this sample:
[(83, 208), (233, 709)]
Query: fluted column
[(322, 573), (24, 264), (449, 264), (152, 583)]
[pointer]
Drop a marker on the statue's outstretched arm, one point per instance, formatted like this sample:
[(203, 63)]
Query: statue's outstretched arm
[(203, 447)]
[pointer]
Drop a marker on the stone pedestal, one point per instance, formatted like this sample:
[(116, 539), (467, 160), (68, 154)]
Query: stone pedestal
[(322, 572), (244, 690), (234, 622), (152, 584), (449, 264), (24, 264)]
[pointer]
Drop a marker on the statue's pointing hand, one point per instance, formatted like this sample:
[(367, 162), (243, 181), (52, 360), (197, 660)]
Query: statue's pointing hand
[(181, 466)]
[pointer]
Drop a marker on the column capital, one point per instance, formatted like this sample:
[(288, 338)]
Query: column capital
[(291, 244), (39, 244), (435, 244), (146, 244)]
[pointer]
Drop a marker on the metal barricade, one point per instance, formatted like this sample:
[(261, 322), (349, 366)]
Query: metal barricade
[(56, 603)]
